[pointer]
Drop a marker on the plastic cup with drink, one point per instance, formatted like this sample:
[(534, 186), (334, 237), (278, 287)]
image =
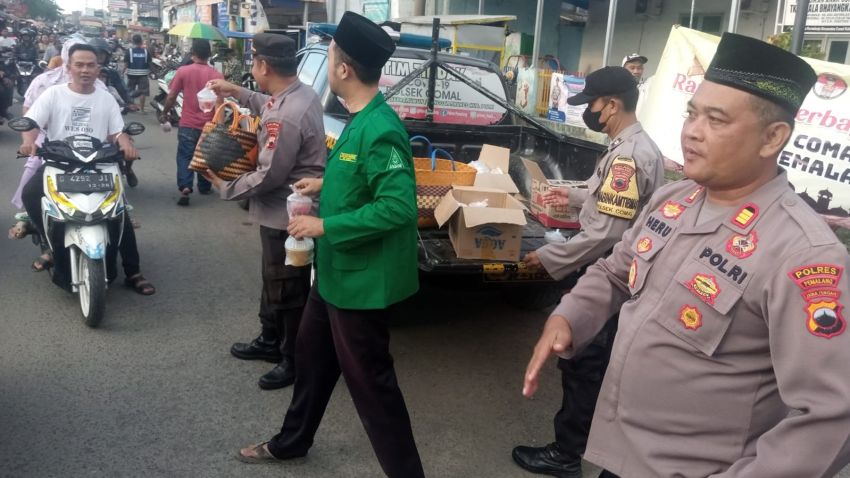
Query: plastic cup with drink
[(206, 100)]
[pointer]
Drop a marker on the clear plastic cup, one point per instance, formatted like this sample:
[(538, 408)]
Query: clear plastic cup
[(206, 100), (299, 205), (299, 252)]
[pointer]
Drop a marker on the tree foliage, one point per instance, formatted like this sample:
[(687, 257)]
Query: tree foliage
[(44, 9), (810, 50)]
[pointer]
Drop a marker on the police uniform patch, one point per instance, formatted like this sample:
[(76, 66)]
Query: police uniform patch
[(819, 285), (705, 287), (644, 245), (690, 199), (691, 317), (633, 272), (273, 130), (742, 246), (619, 195), (395, 161), (671, 210), (746, 215)]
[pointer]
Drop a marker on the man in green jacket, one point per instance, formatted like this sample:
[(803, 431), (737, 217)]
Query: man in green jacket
[(366, 262)]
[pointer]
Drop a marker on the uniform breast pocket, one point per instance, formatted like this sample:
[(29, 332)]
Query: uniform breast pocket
[(701, 307)]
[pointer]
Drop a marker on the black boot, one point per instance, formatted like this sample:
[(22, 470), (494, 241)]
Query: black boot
[(283, 375), (548, 460), (258, 349)]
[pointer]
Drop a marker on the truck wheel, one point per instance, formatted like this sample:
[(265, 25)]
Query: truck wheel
[(92, 290), (537, 297)]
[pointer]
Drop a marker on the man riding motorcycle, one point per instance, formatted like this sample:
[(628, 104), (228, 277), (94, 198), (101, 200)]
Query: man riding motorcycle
[(26, 49)]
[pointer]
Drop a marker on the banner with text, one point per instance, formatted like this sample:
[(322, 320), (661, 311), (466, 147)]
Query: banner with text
[(817, 157), (824, 16)]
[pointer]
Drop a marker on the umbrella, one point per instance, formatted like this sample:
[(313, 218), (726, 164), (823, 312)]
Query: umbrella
[(197, 30)]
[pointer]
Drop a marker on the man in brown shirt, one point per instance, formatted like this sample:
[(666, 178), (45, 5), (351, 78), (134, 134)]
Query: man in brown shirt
[(292, 146), (729, 289)]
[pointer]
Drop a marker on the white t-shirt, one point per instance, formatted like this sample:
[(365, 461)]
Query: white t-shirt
[(61, 113)]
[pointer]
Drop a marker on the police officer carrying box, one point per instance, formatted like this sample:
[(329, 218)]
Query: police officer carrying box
[(292, 146), (729, 289), (626, 176), (366, 262)]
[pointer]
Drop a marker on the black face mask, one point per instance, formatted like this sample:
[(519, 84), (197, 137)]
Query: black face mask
[(591, 119)]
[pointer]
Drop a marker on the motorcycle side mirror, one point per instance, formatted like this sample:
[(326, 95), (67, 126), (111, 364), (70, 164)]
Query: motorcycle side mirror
[(133, 129), (42, 64), (23, 124)]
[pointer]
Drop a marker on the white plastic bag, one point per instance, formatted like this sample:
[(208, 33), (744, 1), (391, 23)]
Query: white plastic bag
[(299, 252), (298, 204), (480, 166)]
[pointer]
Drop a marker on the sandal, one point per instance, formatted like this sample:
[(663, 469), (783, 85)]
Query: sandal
[(44, 262), (139, 284), (21, 229), (261, 455)]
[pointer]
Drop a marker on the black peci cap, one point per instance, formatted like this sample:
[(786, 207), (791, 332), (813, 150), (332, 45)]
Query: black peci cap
[(363, 40), (761, 69), (277, 46), (611, 80)]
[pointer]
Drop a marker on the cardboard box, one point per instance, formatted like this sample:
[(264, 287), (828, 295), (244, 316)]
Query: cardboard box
[(496, 157), (563, 217), (493, 232)]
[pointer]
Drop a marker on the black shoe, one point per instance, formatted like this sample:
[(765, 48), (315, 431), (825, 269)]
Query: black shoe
[(258, 349), (204, 191), (548, 460), (283, 375)]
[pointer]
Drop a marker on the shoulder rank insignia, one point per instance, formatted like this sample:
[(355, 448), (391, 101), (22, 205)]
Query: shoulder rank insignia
[(819, 285), (742, 246), (746, 215), (691, 317), (671, 210), (619, 195)]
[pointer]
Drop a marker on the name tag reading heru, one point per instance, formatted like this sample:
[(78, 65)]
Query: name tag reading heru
[(347, 157)]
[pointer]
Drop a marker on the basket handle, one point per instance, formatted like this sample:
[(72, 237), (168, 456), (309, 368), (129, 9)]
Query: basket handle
[(426, 140), (434, 158), (219, 114)]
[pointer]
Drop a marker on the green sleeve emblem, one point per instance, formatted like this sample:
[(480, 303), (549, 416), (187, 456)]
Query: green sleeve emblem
[(395, 161)]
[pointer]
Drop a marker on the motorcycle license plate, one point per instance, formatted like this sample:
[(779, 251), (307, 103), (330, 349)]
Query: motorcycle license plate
[(84, 183)]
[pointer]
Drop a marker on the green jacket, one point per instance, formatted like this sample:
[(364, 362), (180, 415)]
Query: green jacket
[(367, 258)]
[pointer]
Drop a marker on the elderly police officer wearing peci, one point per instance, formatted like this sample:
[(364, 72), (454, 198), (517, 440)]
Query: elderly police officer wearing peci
[(626, 176), (291, 139), (366, 262), (730, 294)]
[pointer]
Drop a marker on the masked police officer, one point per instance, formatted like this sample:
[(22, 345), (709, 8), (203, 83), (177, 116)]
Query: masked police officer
[(730, 291), (292, 146), (626, 176), (366, 262)]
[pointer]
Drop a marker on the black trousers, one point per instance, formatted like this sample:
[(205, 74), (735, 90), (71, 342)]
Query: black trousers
[(355, 343), (607, 474), (31, 197), (285, 290)]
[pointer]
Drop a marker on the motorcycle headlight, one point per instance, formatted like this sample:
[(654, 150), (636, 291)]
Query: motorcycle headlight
[(59, 198)]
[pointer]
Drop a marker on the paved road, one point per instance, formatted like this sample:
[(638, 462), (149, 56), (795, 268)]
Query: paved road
[(154, 392)]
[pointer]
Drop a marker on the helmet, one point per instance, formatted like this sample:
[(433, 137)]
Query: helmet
[(100, 45), (26, 32)]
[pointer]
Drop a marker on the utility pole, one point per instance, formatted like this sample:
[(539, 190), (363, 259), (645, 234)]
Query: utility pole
[(799, 26)]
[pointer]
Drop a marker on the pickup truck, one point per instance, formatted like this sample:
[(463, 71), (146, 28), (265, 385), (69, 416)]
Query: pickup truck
[(464, 118)]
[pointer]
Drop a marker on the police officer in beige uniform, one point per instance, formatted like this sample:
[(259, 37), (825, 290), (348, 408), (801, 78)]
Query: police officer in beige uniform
[(730, 292), (626, 176), (291, 139)]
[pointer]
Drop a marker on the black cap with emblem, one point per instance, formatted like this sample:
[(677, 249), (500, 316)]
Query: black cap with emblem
[(363, 40), (611, 80), (761, 69), (278, 47)]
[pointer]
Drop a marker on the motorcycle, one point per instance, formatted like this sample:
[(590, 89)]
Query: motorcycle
[(158, 101), (85, 193), (26, 71)]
